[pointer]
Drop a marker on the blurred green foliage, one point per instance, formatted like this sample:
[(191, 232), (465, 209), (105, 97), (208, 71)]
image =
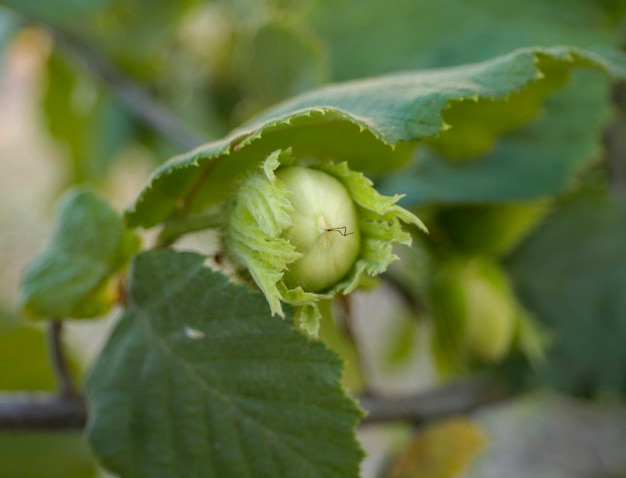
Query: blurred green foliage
[(512, 197), (572, 273)]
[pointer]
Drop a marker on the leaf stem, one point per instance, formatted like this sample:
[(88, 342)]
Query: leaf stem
[(175, 228)]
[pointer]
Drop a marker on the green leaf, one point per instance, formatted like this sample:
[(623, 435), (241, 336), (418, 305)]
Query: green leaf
[(370, 124), (571, 274), (72, 278), (198, 379), (532, 162)]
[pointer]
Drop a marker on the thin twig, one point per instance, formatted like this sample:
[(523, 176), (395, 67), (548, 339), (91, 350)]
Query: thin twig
[(615, 141), (131, 95), (455, 399), (66, 388), (21, 411), (346, 321), (49, 412)]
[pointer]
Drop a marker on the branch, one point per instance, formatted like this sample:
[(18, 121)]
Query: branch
[(44, 411), (455, 399), (21, 411), (61, 370), (132, 95)]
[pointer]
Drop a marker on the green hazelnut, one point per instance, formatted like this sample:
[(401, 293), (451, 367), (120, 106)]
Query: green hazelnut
[(325, 228), (491, 312), (474, 309), (304, 234)]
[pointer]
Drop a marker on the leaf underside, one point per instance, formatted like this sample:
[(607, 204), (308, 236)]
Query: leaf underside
[(372, 124)]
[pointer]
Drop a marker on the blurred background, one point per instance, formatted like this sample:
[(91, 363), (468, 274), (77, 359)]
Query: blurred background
[(527, 242)]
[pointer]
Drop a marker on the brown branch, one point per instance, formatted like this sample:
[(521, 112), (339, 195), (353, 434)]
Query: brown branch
[(41, 411), (455, 399), (20, 411), (65, 385), (66, 409)]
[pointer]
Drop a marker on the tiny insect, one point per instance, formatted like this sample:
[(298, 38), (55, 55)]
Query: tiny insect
[(341, 230)]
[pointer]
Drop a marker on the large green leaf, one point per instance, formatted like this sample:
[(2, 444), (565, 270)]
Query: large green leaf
[(538, 160), (572, 275), (199, 380), (530, 163), (371, 124), (73, 276)]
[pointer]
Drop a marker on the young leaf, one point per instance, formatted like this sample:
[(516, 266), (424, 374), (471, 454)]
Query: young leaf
[(72, 278), (370, 124), (199, 380)]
